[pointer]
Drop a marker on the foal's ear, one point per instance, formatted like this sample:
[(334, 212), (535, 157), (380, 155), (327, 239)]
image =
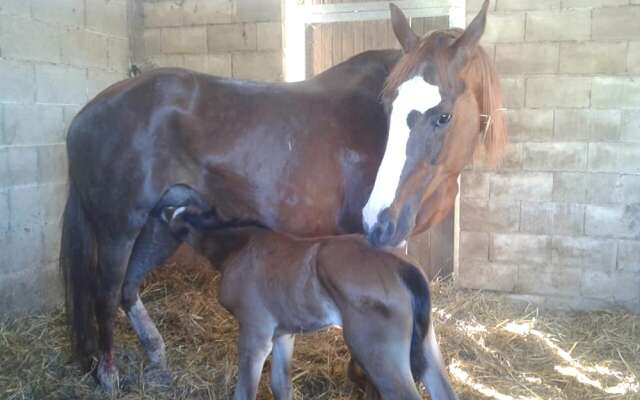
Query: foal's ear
[(462, 48), (406, 36)]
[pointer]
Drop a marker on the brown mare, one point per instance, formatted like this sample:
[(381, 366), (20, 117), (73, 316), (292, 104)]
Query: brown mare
[(309, 158), (276, 286)]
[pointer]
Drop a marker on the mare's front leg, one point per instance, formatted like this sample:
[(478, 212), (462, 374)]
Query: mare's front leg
[(281, 367), (154, 245), (254, 346)]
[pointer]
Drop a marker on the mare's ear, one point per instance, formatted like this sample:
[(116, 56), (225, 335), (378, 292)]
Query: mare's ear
[(406, 36), (464, 46)]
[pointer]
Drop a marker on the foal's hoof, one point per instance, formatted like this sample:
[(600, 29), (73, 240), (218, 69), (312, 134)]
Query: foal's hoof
[(159, 377), (107, 376)]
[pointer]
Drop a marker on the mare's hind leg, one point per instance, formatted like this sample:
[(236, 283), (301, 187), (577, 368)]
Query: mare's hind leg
[(113, 255), (154, 245)]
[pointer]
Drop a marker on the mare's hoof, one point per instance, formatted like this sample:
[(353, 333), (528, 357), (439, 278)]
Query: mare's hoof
[(107, 376), (159, 377)]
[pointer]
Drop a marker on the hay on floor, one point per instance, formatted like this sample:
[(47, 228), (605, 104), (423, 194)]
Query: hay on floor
[(494, 350)]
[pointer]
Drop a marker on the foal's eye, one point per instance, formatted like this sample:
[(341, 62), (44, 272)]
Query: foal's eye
[(444, 119)]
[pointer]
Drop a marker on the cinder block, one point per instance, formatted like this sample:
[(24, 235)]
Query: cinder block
[(512, 159), (202, 12), (263, 66), (474, 185), (269, 35), (60, 84), (29, 40), (186, 40), (474, 246), (525, 5), (613, 92), (214, 64), (162, 14), (555, 156), (258, 10), (558, 91), (524, 58), (519, 248), (558, 25), (15, 7), (513, 90), (475, 274), (52, 164), (613, 188), (504, 27), (586, 252), (32, 124), (611, 286), (5, 212), (232, 37), (589, 57), (592, 3), (17, 83), (19, 165), (108, 17), (118, 54), (551, 218), (616, 23), (614, 157), (31, 290), (547, 280), (83, 48), (61, 12), (98, 80), (593, 125), (617, 221), (629, 256), (166, 60), (52, 198), (481, 215), (527, 186), (152, 42), (633, 57), (630, 130), (68, 113), (569, 187), (529, 125)]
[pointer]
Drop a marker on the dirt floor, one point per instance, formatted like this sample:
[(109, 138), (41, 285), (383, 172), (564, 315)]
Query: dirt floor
[(494, 350)]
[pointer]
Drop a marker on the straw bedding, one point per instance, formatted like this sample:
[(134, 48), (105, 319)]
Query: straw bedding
[(494, 350)]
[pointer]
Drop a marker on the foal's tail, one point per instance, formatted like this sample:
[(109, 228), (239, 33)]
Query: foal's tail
[(78, 267), (426, 361)]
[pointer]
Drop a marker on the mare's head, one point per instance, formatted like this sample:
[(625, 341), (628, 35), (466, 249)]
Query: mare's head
[(437, 96)]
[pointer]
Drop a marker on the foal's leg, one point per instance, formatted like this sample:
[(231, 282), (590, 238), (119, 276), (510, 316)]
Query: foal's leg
[(154, 245), (435, 376), (113, 255), (281, 367), (382, 348), (254, 348)]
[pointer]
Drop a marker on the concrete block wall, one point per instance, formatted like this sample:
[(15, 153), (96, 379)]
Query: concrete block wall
[(54, 57), (231, 38), (559, 222)]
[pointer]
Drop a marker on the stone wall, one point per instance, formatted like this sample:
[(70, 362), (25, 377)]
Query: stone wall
[(559, 222), (231, 38), (54, 56)]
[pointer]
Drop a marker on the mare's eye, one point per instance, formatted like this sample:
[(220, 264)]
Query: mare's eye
[(444, 119)]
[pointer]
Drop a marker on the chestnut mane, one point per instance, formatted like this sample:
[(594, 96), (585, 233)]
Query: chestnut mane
[(479, 74)]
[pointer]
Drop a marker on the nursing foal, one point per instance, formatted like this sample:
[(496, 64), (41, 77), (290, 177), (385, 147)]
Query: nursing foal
[(277, 286)]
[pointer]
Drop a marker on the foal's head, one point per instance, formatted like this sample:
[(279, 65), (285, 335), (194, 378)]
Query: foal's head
[(435, 96)]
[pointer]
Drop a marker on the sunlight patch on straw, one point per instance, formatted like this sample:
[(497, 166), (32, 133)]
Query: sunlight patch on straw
[(461, 375)]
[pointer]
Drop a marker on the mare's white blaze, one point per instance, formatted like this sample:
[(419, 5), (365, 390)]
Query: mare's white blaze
[(414, 94)]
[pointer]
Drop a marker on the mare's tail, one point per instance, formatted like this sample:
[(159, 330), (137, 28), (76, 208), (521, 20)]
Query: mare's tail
[(78, 267)]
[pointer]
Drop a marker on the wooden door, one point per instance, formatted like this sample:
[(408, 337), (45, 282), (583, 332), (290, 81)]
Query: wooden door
[(330, 43)]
